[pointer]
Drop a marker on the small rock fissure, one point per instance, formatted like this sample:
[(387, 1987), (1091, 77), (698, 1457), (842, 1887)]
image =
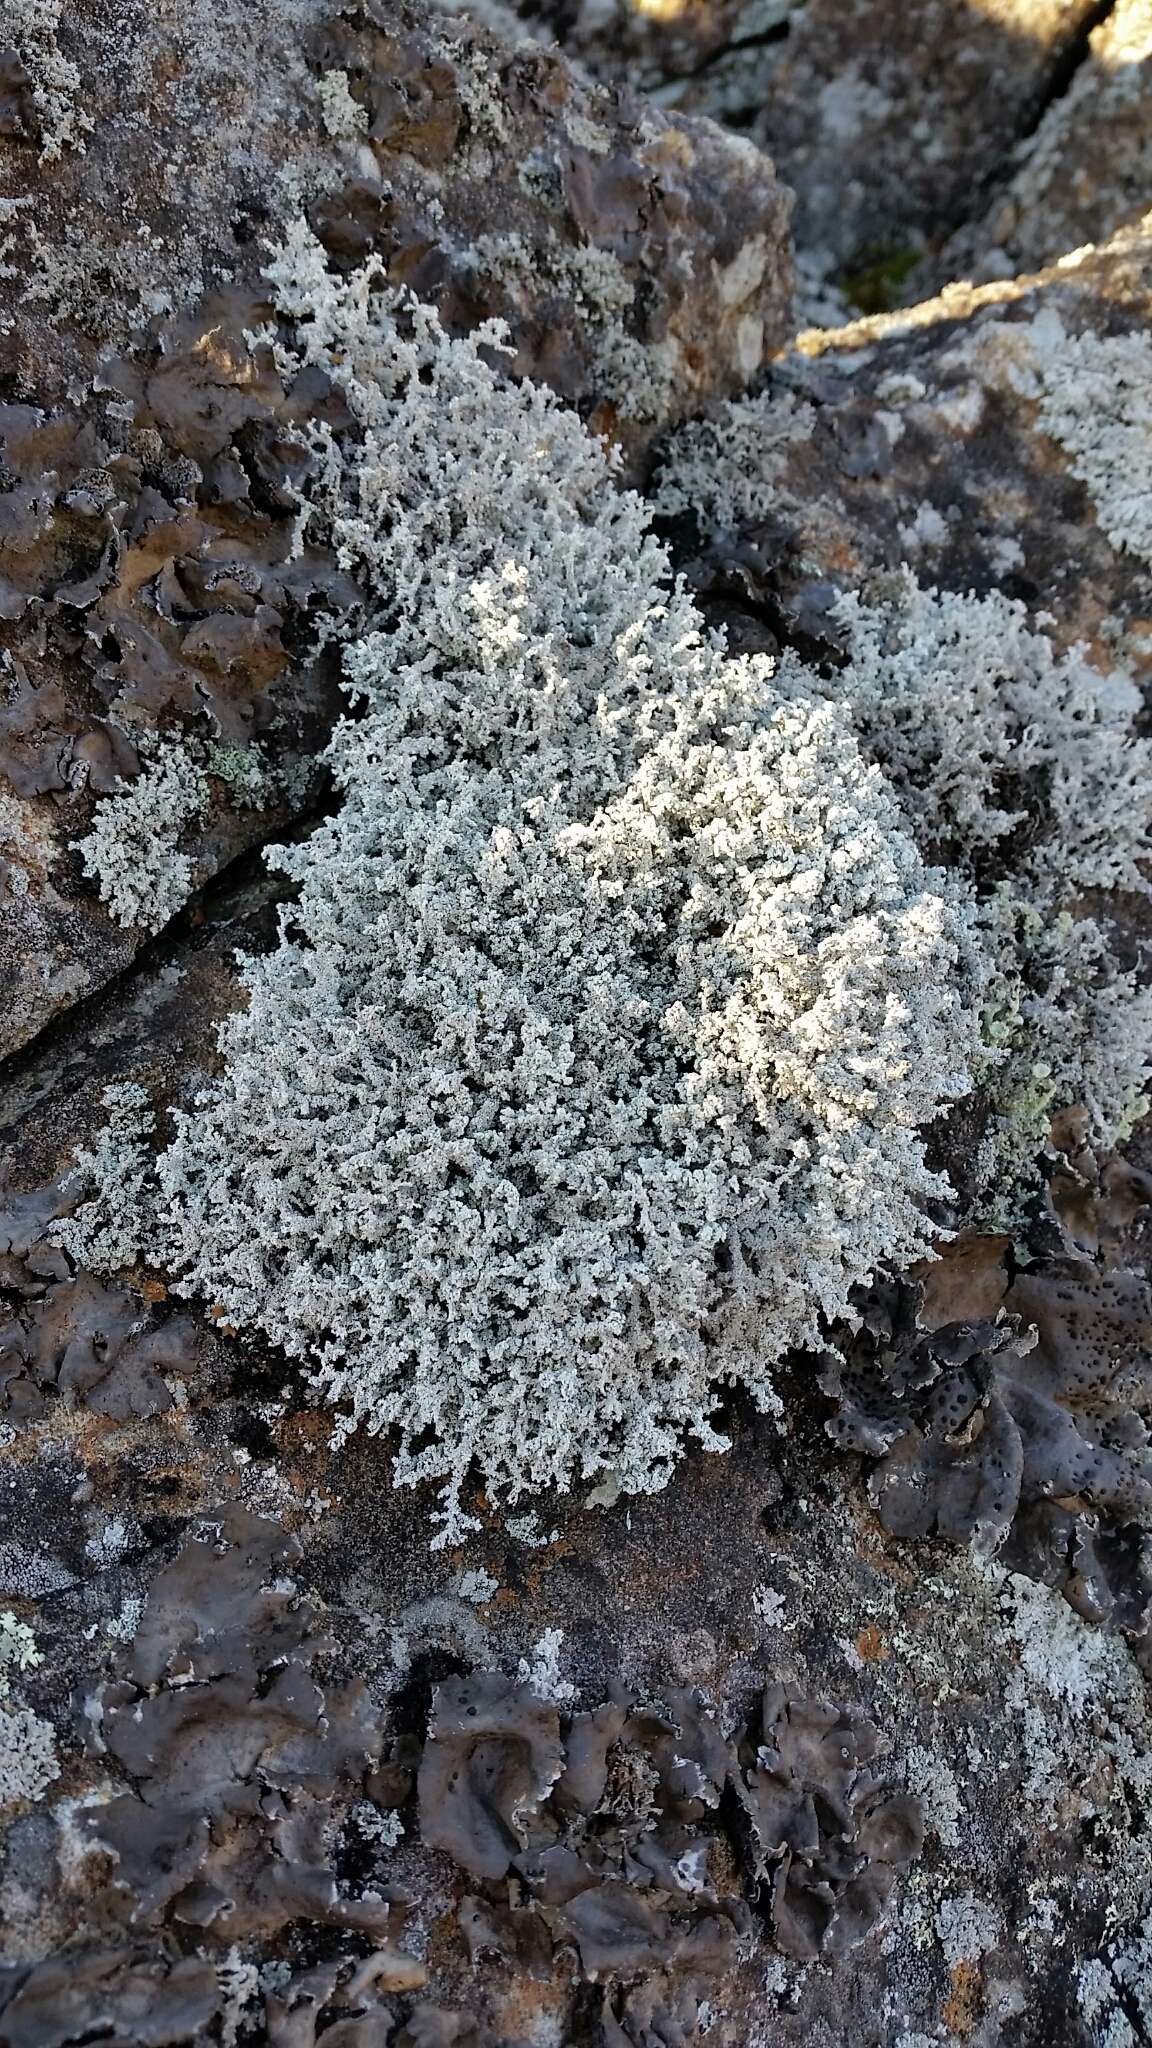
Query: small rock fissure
[(177, 940), (1064, 69)]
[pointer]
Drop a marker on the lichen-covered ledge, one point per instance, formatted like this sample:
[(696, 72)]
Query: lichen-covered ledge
[(162, 614)]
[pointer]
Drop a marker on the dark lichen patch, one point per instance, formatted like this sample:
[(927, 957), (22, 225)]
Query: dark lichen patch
[(149, 559), (827, 1839), (239, 1758), (134, 1998), (248, 1802), (68, 1336), (155, 595), (1006, 1404)]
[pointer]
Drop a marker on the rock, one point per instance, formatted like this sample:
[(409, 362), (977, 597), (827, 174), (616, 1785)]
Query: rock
[(1084, 173), (887, 134), (502, 182), (733, 1761), (919, 436), (890, 129)]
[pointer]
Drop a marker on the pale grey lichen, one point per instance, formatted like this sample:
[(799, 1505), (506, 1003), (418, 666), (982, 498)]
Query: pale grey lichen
[(135, 848), (344, 117), (28, 1760), (18, 1650), (107, 1232), (591, 1069), (1018, 768), (1093, 392), (1021, 776), (33, 26), (726, 470), (541, 1670), (967, 1927)]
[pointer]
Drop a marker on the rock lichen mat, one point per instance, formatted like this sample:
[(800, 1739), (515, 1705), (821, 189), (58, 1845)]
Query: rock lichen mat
[(576, 1072)]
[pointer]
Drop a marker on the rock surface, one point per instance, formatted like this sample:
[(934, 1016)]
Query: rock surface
[(891, 127), (921, 440), (1084, 173), (774, 1756)]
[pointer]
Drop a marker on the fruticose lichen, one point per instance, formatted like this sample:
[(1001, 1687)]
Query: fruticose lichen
[(135, 849), (54, 80), (591, 1069), (1021, 777), (28, 1760), (725, 469), (1093, 392), (1018, 770)]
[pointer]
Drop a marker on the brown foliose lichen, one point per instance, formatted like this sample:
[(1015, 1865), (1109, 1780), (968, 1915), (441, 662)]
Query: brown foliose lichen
[(239, 1785), (1006, 1402), (67, 1336)]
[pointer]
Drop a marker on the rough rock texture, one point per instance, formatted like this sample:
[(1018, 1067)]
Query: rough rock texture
[(922, 440), (501, 182), (153, 590), (611, 1825), (772, 1757), (886, 134), (1086, 170), (890, 125)]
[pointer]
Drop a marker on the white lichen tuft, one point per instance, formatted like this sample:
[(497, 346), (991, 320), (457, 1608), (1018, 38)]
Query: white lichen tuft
[(107, 1232), (541, 1671), (135, 851), (18, 1650), (725, 470), (344, 117), (591, 1068), (1094, 401), (1021, 778), (33, 27), (28, 1760)]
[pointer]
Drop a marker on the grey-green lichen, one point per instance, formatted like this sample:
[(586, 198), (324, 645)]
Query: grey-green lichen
[(725, 470), (1018, 769), (1021, 777), (28, 1761), (137, 848), (591, 1070), (1093, 392), (33, 26)]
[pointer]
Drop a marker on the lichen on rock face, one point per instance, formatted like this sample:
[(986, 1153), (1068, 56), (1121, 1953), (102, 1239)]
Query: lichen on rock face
[(1009, 1412), (1019, 768), (133, 850), (1021, 775), (615, 993), (822, 1826), (1093, 392)]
